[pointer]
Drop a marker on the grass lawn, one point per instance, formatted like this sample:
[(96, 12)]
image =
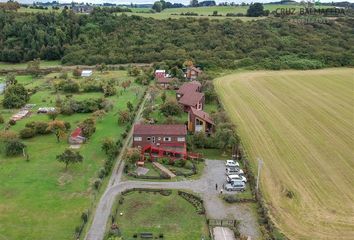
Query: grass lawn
[(44, 63), (171, 215), (39, 199), (301, 124)]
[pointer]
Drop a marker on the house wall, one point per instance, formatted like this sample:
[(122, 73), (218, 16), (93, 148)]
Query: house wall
[(159, 139)]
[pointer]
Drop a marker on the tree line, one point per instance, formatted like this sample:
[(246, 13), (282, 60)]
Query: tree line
[(104, 38)]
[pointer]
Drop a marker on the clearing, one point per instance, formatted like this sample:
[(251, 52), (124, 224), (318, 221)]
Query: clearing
[(301, 124)]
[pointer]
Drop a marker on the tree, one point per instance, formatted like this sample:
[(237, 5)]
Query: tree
[(163, 97), (53, 114), (130, 106), (58, 128), (194, 3), (171, 108), (10, 79), (157, 6), (69, 156), (77, 72), (134, 71), (255, 10), (15, 96), (225, 136), (88, 127), (133, 155), (126, 84), (33, 67), (108, 89), (99, 114), (124, 117), (109, 146)]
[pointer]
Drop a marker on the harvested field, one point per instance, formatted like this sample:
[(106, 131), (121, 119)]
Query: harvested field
[(301, 123)]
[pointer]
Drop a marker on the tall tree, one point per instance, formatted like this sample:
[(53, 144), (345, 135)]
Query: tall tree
[(69, 156), (255, 10), (15, 96), (58, 128)]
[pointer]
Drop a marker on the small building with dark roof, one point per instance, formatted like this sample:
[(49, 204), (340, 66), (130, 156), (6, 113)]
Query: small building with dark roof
[(189, 95), (165, 82)]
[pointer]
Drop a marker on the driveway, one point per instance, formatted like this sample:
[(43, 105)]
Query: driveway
[(216, 208)]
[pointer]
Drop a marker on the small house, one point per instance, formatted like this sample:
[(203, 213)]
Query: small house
[(165, 82), (199, 121), (161, 140), (76, 137), (86, 73), (160, 74), (193, 73), (82, 8)]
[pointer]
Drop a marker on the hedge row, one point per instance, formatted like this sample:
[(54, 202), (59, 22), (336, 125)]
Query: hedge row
[(196, 201)]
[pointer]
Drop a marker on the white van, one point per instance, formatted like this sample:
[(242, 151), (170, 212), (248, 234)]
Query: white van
[(235, 177)]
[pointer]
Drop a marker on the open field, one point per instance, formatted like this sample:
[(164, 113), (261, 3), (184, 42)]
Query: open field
[(301, 124), (204, 12), (19, 66), (171, 215), (39, 199)]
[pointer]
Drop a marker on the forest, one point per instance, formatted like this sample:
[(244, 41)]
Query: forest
[(102, 37)]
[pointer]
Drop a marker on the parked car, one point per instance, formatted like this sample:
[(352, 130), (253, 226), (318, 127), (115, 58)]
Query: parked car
[(235, 177), (232, 163), (234, 170), (235, 186)]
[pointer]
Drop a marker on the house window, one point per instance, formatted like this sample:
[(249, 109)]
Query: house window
[(181, 139), (167, 139), (148, 138), (138, 139)]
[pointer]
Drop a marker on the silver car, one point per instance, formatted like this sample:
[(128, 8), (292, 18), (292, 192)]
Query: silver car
[(235, 186)]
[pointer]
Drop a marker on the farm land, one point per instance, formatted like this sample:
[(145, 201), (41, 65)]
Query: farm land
[(301, 124), (39, 199)]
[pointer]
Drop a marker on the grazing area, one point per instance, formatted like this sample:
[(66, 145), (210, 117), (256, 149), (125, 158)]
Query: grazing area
[(39, 197), (301, 124), (170, 215)]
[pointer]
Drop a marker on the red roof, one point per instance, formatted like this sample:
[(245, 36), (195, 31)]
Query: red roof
[(191, 98), (76, 133), (202, 115), (189, 87), (167, 129), (165, 80)]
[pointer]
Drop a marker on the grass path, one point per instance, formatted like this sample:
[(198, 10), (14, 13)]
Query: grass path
[(301, 124)]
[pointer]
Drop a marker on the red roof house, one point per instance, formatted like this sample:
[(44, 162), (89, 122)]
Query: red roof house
[(161, 140), (189, 95), (165, 82), (199, 121), (193, 72), (76, 137)]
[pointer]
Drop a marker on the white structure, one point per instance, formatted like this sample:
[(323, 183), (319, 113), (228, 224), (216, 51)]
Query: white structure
[(86, 73)]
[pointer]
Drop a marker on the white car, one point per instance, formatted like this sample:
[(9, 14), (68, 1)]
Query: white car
[(235, 177), (232, 163), (234, 170)]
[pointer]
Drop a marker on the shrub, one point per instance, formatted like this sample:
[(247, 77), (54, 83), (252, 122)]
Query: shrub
[(41, 128), (15, 96), (1, 119), (14, 147), (27, 133), (189, 165), (12, 122), (180, 163)]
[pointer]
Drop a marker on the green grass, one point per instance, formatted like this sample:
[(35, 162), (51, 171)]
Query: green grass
[(301, 124), (19, 66), (39, 199), (172, 216), (204, 12), (214, 154)]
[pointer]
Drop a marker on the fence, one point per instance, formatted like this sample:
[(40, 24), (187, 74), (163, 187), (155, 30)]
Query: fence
[(222, 222)]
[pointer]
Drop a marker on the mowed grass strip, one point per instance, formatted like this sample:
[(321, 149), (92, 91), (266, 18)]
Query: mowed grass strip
[(172, 216), (301, 124)]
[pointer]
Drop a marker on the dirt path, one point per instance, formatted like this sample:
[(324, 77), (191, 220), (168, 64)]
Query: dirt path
[(215, 207)]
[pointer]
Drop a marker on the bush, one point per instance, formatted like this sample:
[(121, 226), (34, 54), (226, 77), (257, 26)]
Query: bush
[(180, 163), (14, 147), (189, 165), (41, 128), (97, 183), (1, 119), (12, 122), (27, 133)]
